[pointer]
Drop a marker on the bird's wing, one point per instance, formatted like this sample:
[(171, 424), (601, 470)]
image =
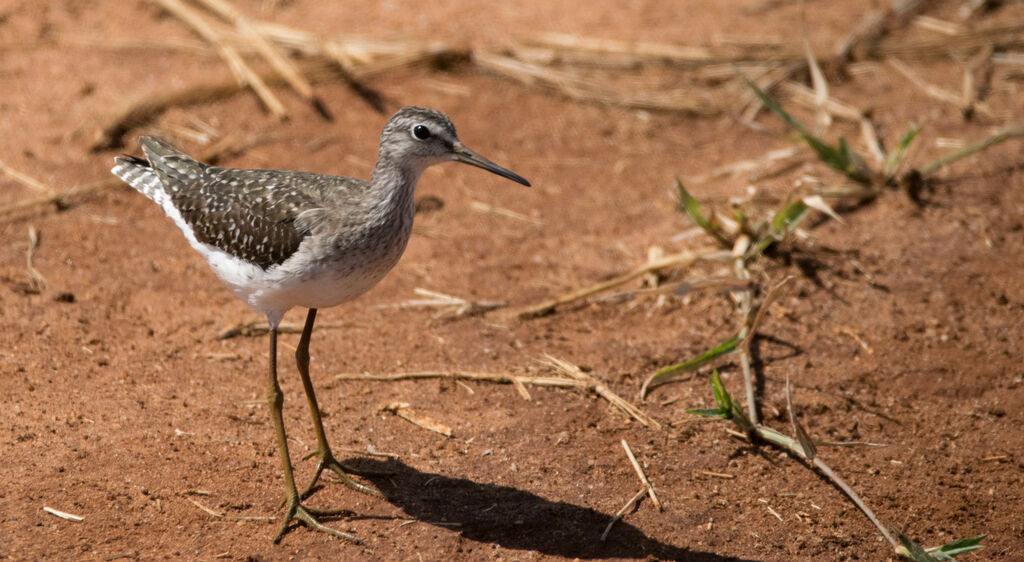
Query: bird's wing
[(260, 216)]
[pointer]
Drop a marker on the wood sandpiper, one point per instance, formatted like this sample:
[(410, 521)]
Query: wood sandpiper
[(281, 239)]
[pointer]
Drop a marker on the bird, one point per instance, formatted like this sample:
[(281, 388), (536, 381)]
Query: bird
[(283, 239)]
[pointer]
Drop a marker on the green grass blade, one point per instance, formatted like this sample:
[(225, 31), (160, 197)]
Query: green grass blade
[(689, 205), (853, 165), (721, 394), (961, 546), (784, 222), (896, 156), (708, 413), (772, 104), (727, 409), (841, 158), (721, 349)]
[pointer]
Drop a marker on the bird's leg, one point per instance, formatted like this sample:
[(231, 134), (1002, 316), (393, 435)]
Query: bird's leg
[(294, 509), (327, 460)]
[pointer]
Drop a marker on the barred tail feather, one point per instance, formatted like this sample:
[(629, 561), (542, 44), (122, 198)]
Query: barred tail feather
[(137, 173)]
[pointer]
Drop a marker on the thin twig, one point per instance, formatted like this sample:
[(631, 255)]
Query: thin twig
[(643, 477), (572, 377), (260, 328), (557, 382), (621, 512), (402, 410), (601, 390), (220, 515), (216, 514)]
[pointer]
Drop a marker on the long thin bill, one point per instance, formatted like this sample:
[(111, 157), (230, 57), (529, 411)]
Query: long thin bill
[(463, 154)]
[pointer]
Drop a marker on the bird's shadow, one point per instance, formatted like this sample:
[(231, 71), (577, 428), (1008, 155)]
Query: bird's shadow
[(512, 518)]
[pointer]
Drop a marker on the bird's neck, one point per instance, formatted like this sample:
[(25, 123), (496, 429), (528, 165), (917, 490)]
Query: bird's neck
[(393, 185)]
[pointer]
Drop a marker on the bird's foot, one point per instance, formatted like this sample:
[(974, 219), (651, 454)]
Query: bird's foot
[(308, 517), (328, 462)]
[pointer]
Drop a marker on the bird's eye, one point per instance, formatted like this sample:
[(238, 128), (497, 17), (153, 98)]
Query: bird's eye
[(421, 132)]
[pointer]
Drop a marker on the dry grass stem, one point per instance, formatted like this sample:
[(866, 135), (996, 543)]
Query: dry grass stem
[(682, 259), (216, 514), (498, 378), (62, 515), (717, 474), (769, 298), (750, 165), (261, 328), (805, 97), (821, 97), (864, 41), (753, 315), (1010, 131), (640, 474), (618, 516), (402, 410), (379, 57), (257, 328), (601, 390), (25, 179), (575, 87), (1003, 37), (482, 207), (934, 91), (277, 61), (572, 48), (360, 56), (572, 378), (983, 60), (869, 136), (937, 25), (109, 135), (449, 305), (681, 288), (221, 515), (245, 75)]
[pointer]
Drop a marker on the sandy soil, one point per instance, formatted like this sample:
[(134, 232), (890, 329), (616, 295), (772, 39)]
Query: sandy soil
[(902, 325)]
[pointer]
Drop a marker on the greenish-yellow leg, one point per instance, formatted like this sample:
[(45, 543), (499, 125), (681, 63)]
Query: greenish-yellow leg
[(294, 510), (327, 460)]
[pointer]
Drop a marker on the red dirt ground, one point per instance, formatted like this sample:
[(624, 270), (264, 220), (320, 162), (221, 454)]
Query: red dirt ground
[(120, 405)]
